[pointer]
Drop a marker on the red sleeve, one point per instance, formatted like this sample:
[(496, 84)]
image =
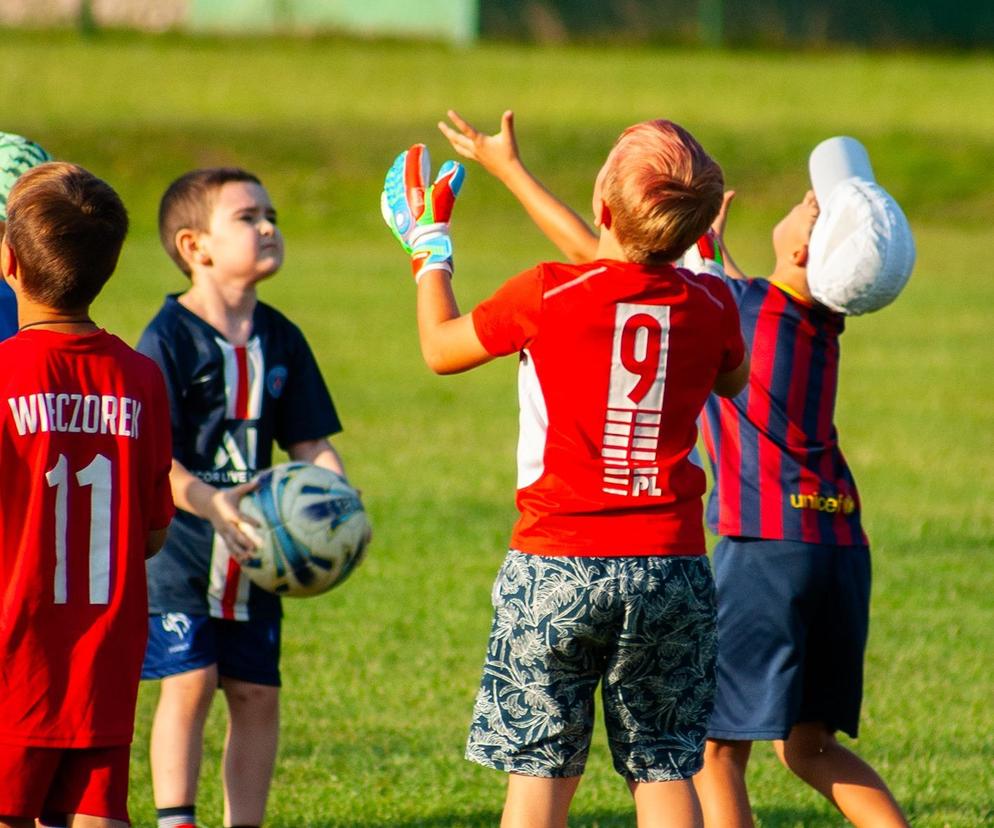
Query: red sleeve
[(161, 508), (731, 329), (507, 321)]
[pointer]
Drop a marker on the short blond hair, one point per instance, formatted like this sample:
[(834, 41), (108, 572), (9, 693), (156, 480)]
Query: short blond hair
[(663, 191)]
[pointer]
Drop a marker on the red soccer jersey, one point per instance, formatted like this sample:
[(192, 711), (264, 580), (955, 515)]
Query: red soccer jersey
[(84, 477), (617, 361)]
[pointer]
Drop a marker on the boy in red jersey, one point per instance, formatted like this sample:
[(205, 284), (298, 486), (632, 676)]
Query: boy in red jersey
[(606, 581), (85, 454), (790, 654)]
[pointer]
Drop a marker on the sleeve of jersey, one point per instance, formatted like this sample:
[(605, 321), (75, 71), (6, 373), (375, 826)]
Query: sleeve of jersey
[(306, 410), (507, 321), (161, 498), (731, 330)]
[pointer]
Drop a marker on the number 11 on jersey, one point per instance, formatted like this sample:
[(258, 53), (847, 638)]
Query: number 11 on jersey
[(97, 477)]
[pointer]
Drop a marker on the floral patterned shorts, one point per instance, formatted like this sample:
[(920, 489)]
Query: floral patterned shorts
[(644, 627)]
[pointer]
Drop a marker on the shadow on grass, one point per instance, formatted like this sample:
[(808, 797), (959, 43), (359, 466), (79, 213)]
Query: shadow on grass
[(765, 818), (797, 818), (483, 819)]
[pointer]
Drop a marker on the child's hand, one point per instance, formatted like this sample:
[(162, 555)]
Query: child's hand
[(418, 213), (235, 528), (497, 154)]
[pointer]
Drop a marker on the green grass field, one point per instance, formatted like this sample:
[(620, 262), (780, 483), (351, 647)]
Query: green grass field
[(379, 676)]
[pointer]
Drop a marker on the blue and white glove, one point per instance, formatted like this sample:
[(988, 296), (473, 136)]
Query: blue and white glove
[(418, 213)]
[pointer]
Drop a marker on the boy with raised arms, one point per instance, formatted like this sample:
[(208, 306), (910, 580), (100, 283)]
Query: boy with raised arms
[(606, 581), (792, 568)]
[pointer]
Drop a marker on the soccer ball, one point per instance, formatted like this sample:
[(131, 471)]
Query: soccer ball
[(312, 527)]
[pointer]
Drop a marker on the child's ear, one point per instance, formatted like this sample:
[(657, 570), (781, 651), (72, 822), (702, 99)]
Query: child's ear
[(604, 218), (800, 256), (190, 245), (8, 261)]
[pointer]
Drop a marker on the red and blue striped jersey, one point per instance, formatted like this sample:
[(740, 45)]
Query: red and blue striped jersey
[(779, 472), (228, 404)]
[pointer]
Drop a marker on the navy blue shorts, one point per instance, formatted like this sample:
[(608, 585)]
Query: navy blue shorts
[(792, 627), (243, 650)]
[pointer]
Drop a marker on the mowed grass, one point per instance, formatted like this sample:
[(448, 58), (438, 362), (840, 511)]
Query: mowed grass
[(379, 676)]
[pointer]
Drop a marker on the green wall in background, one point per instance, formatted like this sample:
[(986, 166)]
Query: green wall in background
[(455, 20)]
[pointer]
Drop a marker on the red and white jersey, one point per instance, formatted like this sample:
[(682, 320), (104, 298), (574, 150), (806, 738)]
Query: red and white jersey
[(85, 451), (617, 360)]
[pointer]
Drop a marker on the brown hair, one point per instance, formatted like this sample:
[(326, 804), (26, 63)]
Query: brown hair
[(663, 191), (66, 227), (188, 201)]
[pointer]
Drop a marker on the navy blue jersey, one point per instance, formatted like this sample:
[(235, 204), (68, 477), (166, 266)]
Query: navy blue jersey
[(778, 469), (227, 404)]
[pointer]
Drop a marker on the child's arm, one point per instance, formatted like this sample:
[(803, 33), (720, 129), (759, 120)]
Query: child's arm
[(498, 155), (730, 383), (449, 342), (320, 452), (219, 506), (731, 269), (156, 538)]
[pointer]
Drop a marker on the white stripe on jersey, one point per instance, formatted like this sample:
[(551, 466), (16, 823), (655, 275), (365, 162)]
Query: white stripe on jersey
[(533, 423), (572, 282), (696, 284), (220, 569), (256, 374)]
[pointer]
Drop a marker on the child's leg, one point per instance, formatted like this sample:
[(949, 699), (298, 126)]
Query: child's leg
[(666, 804), (84, 821), (721, 784), (178, 735), (850, 784), (249, 750), (537, 802)]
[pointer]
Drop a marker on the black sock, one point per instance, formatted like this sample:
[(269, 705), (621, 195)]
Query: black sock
[(175, 817)]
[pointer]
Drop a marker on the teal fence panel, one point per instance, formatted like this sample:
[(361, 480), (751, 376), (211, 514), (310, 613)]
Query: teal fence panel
[(454, 20)]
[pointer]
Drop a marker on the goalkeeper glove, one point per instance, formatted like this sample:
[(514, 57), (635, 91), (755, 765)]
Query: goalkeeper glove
[(418, 213), (704, 256)]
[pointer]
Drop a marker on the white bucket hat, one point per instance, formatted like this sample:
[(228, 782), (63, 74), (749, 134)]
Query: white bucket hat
[(861, 251)]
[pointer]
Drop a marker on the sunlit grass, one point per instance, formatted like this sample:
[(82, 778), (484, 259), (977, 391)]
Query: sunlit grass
[(380, 675)]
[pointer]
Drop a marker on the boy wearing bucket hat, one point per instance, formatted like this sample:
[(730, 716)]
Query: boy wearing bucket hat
[(793, 567), (17, 155)]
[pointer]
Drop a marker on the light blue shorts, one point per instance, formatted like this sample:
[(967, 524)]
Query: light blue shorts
[(642, 627)]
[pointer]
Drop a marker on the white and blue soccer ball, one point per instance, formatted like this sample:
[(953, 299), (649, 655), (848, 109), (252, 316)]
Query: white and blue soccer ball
[(312, 527)]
